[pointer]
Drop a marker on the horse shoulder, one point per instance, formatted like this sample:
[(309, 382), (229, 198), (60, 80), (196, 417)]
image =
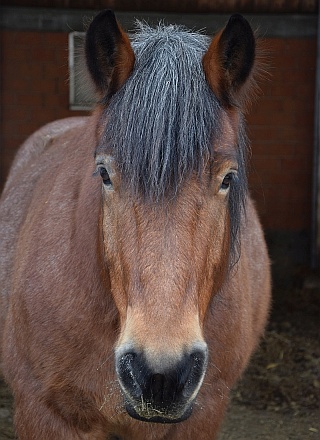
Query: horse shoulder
[(37, 144), (35, 157)]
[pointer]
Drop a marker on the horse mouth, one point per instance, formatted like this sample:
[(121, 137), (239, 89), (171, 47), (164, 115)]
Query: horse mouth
[(150, 414), (162, 395)]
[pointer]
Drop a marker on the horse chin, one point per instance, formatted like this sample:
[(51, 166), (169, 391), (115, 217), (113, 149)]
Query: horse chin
[(155, 416)]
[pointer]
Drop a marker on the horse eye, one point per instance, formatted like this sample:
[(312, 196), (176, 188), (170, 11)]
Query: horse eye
[(105, 176), (226, 181)]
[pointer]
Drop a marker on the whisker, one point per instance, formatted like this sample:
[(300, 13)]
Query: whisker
[(103, 403), (104, 362), (214, 366)]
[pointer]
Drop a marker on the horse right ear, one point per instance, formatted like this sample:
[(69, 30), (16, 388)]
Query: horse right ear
[(229, 62), (110, 57)]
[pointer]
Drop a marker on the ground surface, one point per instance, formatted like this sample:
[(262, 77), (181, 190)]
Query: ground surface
[(278, 398)]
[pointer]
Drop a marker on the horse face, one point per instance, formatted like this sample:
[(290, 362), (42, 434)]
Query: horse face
[(165, 261)]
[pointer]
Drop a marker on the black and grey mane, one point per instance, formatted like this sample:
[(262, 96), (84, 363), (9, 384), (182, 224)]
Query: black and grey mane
[(161, 124)]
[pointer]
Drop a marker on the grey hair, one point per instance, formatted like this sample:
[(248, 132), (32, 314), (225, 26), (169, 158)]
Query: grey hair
[(161, 125)]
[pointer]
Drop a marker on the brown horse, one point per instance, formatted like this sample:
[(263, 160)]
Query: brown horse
[(135, 286)]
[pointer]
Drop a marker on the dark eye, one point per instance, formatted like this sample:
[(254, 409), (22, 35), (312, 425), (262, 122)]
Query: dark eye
[(105, 176), (226, 181)]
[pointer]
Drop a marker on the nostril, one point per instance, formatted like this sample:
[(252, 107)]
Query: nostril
[(191, 370), (185, 372), (127, 358), (127, 373), (198, 362), (125, 363)]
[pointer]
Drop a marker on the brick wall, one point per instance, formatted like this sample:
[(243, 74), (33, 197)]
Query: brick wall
[(35, 91), (34, 87), (281, 129)]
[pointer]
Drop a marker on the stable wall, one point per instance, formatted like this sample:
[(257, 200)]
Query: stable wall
[(34, 91), (34, 87)]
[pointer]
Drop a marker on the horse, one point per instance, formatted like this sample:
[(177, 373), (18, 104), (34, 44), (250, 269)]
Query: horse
[(135, 276)]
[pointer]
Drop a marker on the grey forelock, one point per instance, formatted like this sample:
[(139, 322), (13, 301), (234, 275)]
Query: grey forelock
[(161, 125)]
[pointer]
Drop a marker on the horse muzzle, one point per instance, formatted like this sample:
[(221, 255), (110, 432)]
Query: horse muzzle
[(165, 391)]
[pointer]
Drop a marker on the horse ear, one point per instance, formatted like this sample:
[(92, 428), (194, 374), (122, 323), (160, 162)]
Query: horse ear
[(110, 57), (228, 63)]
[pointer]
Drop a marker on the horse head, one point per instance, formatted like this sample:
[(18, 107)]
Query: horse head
[(171, 156)]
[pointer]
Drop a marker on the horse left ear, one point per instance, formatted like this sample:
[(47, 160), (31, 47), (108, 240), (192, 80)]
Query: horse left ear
[(110, 57), (229, 61)]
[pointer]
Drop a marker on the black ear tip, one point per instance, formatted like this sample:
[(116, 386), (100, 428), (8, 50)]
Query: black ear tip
[(105, 16), (109, 14), (237, 24), (239, 28), (238, 19), (105, 13), (102, 38), (238, 49)]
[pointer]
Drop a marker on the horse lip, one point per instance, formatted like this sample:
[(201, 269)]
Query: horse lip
[(153, 416)]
